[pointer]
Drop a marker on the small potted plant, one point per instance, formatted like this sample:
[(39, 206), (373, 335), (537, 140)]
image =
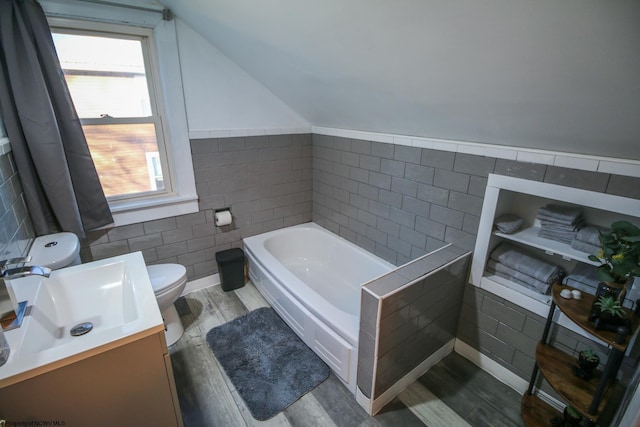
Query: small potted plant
[(607, 314), (571, 416), (619, 257), (608, 309), (588, 360)]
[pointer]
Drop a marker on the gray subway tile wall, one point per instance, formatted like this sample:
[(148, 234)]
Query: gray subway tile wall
[(16, 229), (419, 199), (361, 190), (507, 333), (367, 341), (266, 181), (445, 209), (409, 314)]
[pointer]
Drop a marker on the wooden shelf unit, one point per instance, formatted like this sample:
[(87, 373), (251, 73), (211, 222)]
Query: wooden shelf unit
[(535, 412), (589, 397)]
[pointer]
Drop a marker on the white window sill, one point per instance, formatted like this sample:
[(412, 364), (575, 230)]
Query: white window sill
[(132, 212)]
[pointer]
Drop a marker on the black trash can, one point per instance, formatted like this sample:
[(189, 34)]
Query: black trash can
[(231, 268)]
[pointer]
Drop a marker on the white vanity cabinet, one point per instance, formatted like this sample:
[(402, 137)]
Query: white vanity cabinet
[(524, 198), (127, 384)]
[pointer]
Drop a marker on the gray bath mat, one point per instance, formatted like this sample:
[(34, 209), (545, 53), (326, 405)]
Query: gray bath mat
[(268, 364)]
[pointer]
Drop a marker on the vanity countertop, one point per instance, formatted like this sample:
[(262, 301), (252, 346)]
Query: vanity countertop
[(115, 294)]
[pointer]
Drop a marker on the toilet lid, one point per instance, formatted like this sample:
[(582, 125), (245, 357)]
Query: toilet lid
[(54, 250), (164, 276)]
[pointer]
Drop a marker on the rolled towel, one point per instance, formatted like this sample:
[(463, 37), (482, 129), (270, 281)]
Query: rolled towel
[(561, 214), (585, 247), (591, 234), (519, 260), (521, 278), (508, 223)]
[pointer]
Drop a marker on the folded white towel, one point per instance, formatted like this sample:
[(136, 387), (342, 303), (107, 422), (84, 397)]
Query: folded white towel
[(517, 259), (508, 273)]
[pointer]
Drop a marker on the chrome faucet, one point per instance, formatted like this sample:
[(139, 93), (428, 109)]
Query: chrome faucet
[(10, 317)]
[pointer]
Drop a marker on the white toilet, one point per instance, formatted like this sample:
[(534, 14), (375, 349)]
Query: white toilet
[(61, 250), (55, 251), (168, 282)]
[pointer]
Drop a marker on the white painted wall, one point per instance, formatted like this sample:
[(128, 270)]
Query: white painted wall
[(545, 74), (220, 96)]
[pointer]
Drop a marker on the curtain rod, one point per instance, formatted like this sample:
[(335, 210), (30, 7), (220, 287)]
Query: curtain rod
[(167, 15)]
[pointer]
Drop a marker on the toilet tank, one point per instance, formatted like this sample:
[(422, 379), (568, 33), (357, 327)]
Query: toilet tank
[(55, 251)]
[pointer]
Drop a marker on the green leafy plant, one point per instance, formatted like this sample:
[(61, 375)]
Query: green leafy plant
[(608, 304), (571, 416), (573, 412), (590, 355), (619, 255), (588, 360)]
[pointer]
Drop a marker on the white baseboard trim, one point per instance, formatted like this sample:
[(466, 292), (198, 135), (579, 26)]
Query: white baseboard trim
[(363, 400), (390, 394), (203, 282), (501, 373)]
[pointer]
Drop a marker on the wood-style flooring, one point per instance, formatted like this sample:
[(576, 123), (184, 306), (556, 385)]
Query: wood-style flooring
[(453, 393)]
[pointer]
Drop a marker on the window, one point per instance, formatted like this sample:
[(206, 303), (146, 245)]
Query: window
[(114, 92), (156, 180), (171, 168)]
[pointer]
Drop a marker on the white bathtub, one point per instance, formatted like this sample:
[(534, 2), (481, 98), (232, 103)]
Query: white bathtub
[(312, 278)]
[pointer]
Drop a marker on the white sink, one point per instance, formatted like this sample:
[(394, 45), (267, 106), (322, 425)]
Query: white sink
[(102, 295), (114, 295)]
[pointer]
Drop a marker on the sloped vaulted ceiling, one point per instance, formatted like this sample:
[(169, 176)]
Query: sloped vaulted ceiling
[(548, 74)]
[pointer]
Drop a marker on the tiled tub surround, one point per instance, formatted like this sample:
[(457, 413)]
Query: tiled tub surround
[(16, 230), (265, 180), (401, 201), (408, 322)]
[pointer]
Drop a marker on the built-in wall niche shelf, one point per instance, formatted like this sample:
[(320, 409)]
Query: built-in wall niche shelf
[(523, 198), (529, 237)]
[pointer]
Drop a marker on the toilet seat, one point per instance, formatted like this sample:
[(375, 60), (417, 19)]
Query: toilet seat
[(165, 277), (168, 281)]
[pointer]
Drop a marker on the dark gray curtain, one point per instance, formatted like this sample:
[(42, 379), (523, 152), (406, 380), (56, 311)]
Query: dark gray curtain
[(60, 182)]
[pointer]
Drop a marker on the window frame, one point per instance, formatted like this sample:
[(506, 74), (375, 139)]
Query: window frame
[(163, 71)]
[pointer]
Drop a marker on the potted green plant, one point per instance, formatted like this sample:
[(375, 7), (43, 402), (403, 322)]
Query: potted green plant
[(571, 416), (608, 314), (609, 308), (588, 360), (619, 256)]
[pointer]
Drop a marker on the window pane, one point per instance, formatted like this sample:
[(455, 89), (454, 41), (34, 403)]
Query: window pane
[(101, 72), (120, 154)]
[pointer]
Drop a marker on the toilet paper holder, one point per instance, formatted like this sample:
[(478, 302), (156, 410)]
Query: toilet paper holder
[(222, 217)]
